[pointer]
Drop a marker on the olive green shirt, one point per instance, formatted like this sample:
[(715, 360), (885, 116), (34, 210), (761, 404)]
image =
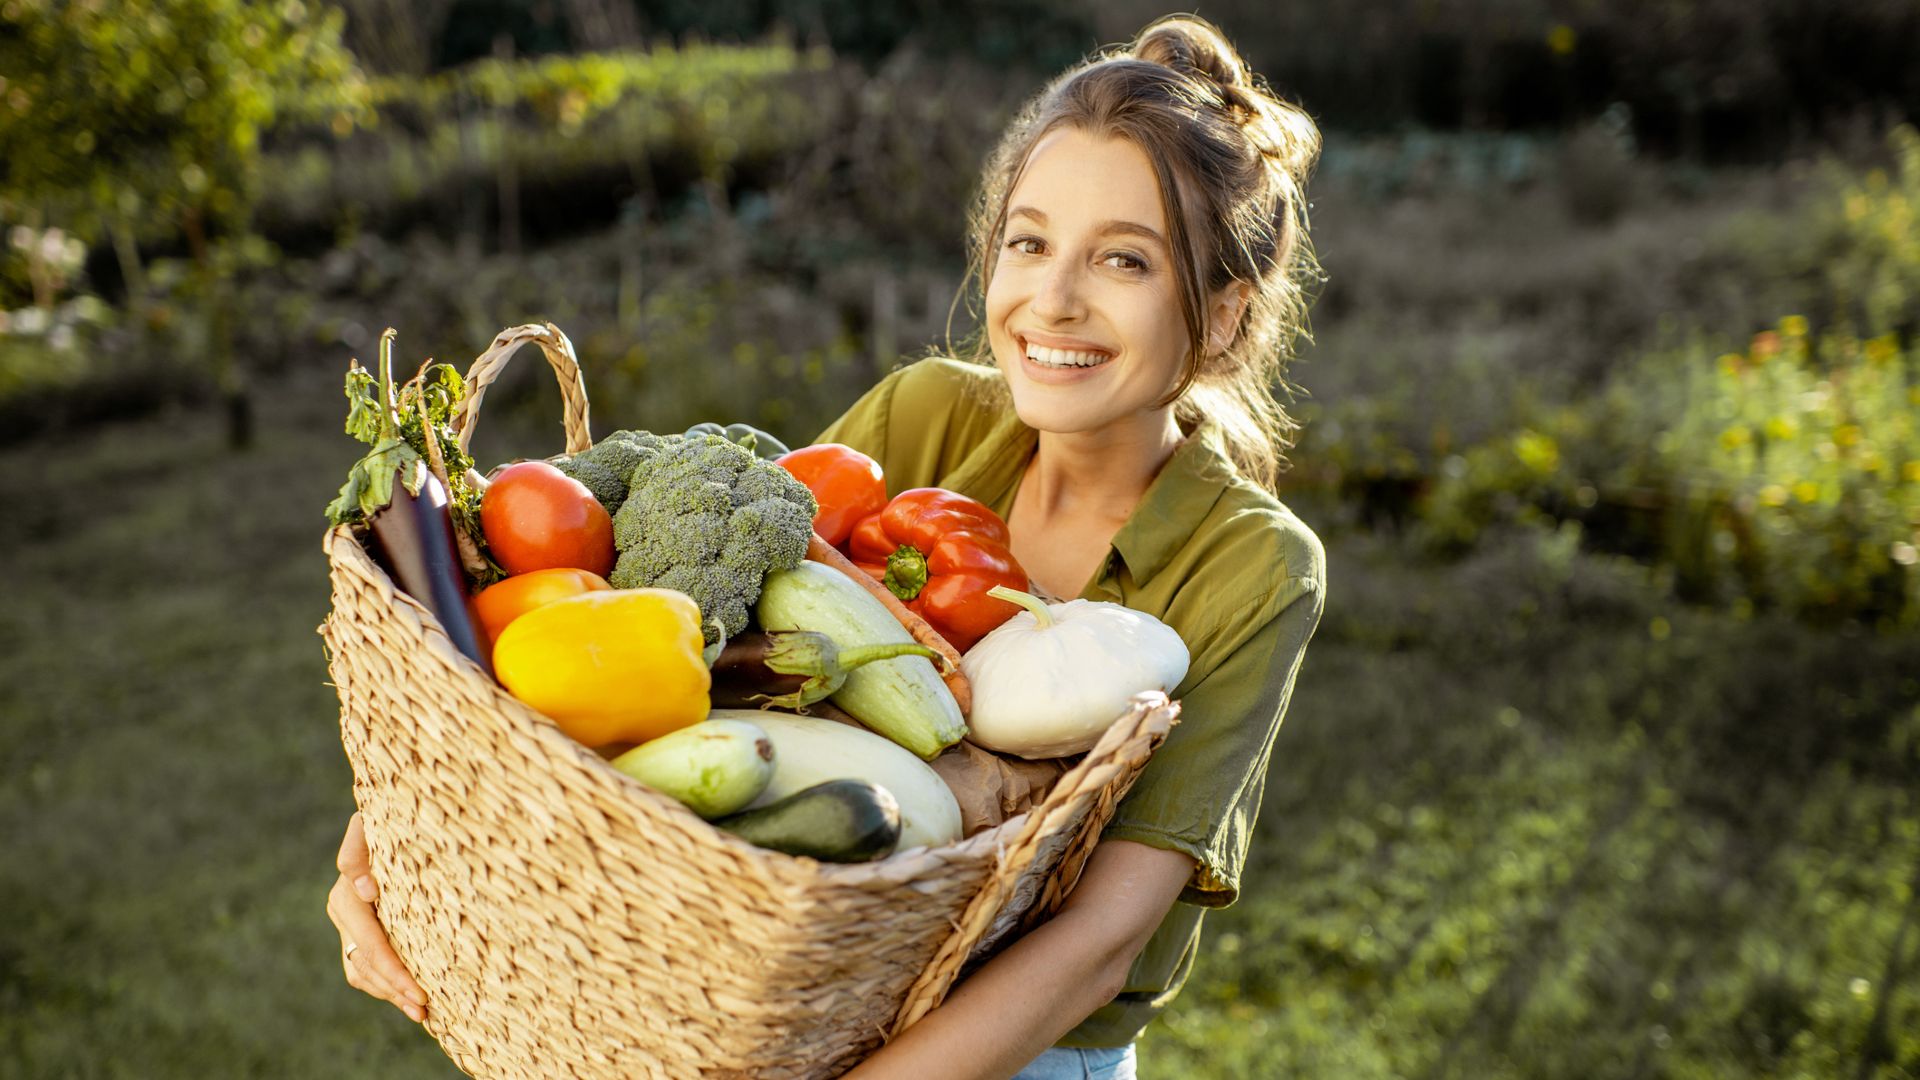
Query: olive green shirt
[(1208, 552)]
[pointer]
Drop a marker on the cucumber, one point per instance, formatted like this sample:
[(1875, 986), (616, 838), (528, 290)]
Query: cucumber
[(714, 767), (902, 698), (838, 821)]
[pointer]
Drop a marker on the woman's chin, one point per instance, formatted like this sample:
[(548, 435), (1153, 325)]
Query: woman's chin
[(1055, 417)]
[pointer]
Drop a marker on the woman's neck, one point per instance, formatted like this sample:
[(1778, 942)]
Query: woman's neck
[(1098, 474)]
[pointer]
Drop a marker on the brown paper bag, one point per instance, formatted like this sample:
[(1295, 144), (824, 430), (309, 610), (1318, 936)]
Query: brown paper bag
[(991, 788)]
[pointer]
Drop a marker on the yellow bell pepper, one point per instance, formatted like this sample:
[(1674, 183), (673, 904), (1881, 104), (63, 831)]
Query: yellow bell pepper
[(612, 666)]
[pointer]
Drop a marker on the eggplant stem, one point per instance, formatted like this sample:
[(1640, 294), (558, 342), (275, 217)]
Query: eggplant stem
[(1026, 600)]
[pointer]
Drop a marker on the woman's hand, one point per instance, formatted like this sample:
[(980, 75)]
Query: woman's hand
[(370, 962)]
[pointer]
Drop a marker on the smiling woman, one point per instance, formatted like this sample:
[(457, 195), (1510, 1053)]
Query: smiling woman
[(1142, 265)]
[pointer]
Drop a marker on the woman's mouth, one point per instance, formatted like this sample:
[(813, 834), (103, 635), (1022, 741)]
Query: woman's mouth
[(1065, 358)]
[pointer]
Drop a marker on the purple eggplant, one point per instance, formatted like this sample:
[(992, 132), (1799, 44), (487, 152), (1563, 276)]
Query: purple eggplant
[(407, 511), (413, 538)]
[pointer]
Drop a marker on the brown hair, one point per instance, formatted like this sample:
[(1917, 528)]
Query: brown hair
[(1232, 161)]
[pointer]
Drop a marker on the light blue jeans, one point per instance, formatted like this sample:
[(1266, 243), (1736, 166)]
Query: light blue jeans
[(1061, 1063)]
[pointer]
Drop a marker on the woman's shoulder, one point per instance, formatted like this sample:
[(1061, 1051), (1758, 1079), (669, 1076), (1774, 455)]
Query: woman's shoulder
[(943, 385), (1250, 561), (923, 417), (1251, 527)]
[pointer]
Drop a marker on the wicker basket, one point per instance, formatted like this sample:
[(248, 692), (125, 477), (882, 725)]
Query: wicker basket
[(566, 921)]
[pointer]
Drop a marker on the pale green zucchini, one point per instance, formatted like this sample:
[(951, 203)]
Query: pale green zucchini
[(715, 767), (902, 698), (808, 750)]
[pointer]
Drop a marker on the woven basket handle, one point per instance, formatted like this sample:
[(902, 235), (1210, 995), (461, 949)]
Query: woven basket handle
[(566, 371)]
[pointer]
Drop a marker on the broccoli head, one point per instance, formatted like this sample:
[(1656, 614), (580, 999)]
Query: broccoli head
[(705, 516), (606, 468)]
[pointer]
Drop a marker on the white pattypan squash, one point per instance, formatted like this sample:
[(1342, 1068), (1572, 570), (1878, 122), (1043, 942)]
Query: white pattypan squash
[(1050, 681)]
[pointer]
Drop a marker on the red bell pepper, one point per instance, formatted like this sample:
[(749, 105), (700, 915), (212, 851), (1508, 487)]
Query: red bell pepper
[(940, 552), (846, 484)]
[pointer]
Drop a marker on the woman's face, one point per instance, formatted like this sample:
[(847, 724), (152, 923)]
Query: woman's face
[(1083, 310)]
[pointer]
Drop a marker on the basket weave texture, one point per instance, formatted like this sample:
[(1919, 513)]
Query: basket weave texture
[(566, 921)]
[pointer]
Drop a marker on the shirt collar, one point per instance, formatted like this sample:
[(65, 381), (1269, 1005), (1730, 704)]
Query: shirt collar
[(1175, 504)]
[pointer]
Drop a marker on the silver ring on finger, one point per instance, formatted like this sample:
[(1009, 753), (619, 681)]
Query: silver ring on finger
[(348, 955)]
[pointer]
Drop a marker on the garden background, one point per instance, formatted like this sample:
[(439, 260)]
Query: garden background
[(1605, 761)]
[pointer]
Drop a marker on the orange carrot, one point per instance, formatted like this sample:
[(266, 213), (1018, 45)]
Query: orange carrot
[(923, 632)]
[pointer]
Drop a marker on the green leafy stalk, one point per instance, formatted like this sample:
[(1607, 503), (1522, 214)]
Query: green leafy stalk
[(370, 418)]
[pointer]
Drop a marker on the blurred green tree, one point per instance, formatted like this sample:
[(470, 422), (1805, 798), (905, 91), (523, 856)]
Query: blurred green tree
[(124, 121)]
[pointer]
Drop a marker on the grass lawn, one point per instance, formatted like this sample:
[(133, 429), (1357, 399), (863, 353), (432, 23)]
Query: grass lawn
[(1528, 817)]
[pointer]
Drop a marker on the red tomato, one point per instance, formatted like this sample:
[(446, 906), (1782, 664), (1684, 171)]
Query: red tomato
[(845, 482), (536, 517)]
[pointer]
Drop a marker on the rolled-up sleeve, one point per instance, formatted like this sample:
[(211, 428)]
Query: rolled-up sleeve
[(1201, 792)]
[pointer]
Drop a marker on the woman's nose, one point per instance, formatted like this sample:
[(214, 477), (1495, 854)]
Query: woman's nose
[(1059, 298)]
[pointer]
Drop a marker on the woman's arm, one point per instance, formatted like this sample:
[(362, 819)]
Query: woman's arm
[(1020, 1002)]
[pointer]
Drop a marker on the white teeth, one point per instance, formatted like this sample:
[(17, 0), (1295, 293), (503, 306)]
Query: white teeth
[(1046, 357)]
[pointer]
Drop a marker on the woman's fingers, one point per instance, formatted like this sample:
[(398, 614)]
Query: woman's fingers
[(370, 963), (354, 862), (354, 959), (350, 905)]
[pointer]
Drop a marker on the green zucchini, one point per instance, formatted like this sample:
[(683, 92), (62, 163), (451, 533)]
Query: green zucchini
[(902, 698), (838, 821), (714, 767)]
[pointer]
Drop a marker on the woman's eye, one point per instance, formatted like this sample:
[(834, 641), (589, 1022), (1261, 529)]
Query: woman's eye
[(1125, 260), (1025, 245)]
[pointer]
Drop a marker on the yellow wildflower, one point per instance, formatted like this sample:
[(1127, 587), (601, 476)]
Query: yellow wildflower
[(1537, 451)]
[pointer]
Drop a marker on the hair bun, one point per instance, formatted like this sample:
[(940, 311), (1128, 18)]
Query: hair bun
[(1193, 46), (1197, 49), (1282, 134)]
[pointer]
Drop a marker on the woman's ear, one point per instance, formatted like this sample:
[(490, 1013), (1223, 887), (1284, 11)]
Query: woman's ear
[(1223, 316)]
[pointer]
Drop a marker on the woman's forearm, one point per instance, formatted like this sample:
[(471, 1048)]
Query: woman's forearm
[(1043, 985), (1007, 1012)]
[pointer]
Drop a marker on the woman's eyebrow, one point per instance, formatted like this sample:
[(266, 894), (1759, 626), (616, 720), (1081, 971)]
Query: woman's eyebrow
[(1131, 228)]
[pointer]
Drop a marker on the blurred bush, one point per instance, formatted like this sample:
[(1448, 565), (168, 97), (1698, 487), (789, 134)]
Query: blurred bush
[(1597, 168), (1851, 259), (562, 140), (1785, 475)]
